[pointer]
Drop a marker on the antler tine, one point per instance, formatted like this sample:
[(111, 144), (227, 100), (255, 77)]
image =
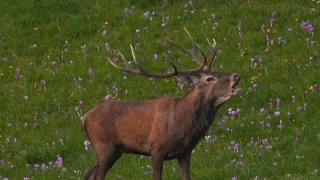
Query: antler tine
[(213, 53), (203, 65), (192, 52), (135, 59), (140, 70)]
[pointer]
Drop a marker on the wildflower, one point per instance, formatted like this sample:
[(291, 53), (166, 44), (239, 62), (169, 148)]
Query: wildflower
[(307, 26), (311, 88), (289, 115), (163, 25), (271, 22), (180, 85), (263, 110), (115, 59), (276, 114), (86, 145), (108, 97), (213, 16), (278, 101), (155, 56), (61, 140), (137, 31), (293, 99), (35, 29), (126, 10), (17, 70), (290, 29), (59, 161), (255, 86), (146, 14), (80, 102), (90, 70), (234, 178)]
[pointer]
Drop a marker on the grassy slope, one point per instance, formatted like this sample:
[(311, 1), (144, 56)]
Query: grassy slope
[(80, 23)]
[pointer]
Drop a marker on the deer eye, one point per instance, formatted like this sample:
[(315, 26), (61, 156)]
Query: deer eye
[(210, 78)]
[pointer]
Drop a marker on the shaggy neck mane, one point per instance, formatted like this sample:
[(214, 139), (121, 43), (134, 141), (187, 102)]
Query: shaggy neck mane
[(197, 112)]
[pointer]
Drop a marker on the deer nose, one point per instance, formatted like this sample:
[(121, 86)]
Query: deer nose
[(236, 77)]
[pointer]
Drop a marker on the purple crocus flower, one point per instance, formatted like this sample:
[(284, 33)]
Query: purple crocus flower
[(146, 14), (108, 97), (59, 161), (155, 57), (278, 101), (271, 22), (90, 70), (289, 115), (137, 31), (255, 86)]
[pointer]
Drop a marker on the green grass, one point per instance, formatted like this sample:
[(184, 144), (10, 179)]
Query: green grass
[(34, 34)]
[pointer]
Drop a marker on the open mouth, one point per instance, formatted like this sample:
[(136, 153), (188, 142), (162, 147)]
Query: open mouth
[(234, 88)]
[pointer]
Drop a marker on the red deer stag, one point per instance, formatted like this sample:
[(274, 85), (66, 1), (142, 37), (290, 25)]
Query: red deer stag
[(164, 128)]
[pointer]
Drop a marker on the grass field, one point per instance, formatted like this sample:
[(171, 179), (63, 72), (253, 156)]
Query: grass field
[(54, 68)]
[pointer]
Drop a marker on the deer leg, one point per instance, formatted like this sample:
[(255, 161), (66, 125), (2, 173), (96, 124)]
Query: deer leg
[(91, 174), (184, 165), (105, 161), (157, 165)]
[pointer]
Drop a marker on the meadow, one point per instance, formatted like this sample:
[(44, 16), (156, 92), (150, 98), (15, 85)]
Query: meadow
[(54, 68)]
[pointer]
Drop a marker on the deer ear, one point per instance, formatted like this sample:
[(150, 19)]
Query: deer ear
[(191, 79)]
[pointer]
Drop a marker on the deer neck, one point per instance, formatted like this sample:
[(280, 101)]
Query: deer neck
[(196, 112)]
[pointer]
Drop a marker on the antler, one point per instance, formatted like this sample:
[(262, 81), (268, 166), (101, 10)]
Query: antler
[(140, 70), (204, 65), (213, 53)]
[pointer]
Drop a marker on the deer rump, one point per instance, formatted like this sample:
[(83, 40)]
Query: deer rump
[(164, 128)]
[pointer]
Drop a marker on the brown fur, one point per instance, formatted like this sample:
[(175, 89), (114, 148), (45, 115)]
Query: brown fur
[(164, 128)]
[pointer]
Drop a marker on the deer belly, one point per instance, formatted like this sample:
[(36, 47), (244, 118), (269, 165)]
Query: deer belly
[(177, 148)]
